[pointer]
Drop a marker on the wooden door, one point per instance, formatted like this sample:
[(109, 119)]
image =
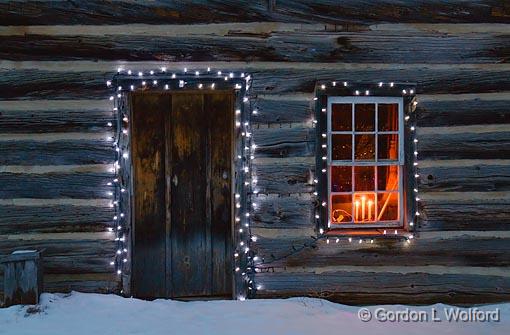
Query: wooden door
[(182, 179)]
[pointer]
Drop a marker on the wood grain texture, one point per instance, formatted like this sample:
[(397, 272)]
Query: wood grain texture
[(54, 219), (285, 253), (283, 212), (477, 177), (64, 256), (468, 145), (60, 152), (324, 11), (272, 78), (148, 155), (219, 109), (284, 175), (190, 194), (311, 43), (284, 140), (56, 185), (354, 287), (464, 112), (37, 121)]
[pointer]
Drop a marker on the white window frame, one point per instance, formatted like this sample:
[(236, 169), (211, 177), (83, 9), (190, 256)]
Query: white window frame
[(401, 161)]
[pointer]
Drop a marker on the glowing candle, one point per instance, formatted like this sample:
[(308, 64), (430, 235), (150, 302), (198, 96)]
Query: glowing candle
[(363, 208), (357, 210), (370, 202)]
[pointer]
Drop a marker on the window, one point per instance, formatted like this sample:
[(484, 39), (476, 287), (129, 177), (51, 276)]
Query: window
[(365, 162)]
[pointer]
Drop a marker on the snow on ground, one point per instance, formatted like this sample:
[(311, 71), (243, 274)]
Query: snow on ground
[(97, 314)]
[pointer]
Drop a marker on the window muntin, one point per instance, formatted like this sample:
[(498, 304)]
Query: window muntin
[(365, 162)]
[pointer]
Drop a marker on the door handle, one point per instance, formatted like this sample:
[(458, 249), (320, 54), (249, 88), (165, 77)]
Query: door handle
[(225, 175), (175, 180)]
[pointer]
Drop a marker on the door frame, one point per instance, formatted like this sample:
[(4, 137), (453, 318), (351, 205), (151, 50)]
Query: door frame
[(243, 187)]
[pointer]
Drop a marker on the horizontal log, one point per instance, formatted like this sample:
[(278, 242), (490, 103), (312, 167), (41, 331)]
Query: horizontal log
[(56, 185), (307, 254), (37, 121), (68, 255), (282, 212), (54, 219), (457, 113), (327, 11), (93, 283), (270, 78), (356, 287), (61, 152), (473, 215), (480, 176), (282, 109), (265, 42), (467, 145), (277, 175), (284, 140)]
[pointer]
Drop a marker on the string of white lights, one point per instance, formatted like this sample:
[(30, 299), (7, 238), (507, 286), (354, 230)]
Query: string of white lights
[(125, 80)]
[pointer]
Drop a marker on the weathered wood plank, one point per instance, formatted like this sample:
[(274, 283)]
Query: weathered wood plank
[(55, 185), (356, 287), (307, 43), (149, 190), (285, 253), (273, 78), (284, 140), (61, 152), (480, 177), (282, 212), (467, 112), (68, 255), (474, 215), (466, 145), (37, 121), (275, 175), (54, 219), (328, 11)]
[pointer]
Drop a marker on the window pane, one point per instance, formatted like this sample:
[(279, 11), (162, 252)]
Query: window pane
[(341, 208), (365, 117), (341, 117), (387, 205), (364, 207), (387, 178), (364, 178), (387, 117), (387, 146), (365, 147), (341, 179), (342, 147)]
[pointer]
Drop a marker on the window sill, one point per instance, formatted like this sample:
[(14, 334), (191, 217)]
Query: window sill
[(393, 233)]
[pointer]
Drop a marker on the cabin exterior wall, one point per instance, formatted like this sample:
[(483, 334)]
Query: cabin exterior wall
[(55, 59)]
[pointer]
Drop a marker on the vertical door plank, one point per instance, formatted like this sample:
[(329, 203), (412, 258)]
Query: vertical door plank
[(148, 153), (219, 107), (190, 257)]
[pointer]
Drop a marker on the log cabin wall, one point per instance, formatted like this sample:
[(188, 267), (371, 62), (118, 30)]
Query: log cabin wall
[(55, 58)]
